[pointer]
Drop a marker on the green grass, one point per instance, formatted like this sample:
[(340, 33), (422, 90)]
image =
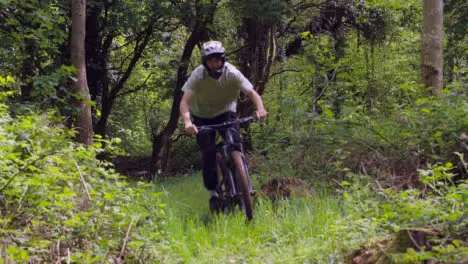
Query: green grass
[(299, 230)]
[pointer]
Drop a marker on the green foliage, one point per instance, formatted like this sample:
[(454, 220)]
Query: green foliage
[(270, 11), (55, 194), (337, 110), (365, 109), (441, 205), (52, 89), (35, 30), (140, 114), (321, 146)]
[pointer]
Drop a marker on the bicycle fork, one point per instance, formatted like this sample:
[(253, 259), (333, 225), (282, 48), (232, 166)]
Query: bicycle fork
[(231, 192)]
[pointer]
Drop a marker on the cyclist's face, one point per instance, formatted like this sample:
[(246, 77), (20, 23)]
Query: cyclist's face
[(214, 63)]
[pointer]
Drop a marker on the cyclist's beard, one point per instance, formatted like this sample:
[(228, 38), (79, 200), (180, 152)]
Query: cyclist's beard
[(216, 73)]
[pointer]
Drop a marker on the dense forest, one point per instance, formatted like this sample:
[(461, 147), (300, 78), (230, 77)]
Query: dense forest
[(362, 159)]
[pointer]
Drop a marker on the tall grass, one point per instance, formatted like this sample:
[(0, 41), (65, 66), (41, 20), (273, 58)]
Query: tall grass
[(299, 230)]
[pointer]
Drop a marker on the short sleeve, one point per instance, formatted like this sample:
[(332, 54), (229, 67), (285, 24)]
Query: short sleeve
[(190, 84), (244, 84)]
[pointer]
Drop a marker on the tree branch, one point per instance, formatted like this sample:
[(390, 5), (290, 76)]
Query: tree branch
[(136, 56), (179, 136), (138, 88), (125, 241), (283, 71), (237, 50), (83, 180)]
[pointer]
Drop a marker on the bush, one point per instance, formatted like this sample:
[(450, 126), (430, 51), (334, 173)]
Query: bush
[(57, 199), (438, 209), (387, 146)]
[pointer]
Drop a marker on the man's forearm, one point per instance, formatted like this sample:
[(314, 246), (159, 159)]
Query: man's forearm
[(257, 100), (185, 109), (185, 114)]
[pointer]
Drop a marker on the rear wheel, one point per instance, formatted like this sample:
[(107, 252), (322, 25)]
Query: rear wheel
[(243, 183)]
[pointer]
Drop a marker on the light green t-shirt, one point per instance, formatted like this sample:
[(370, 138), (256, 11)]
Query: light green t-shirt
[(212, 97)]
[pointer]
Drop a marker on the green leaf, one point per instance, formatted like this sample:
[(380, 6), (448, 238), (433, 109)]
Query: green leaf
[(306, 35), (457, 243), (345, 183)]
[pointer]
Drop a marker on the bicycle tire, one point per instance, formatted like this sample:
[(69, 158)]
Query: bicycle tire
[(243, 183)]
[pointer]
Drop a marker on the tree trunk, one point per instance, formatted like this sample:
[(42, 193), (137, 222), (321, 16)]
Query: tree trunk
[(94, 72), (431, 47), (200, 32), (106, 107), (83, 120), (162, 140), (339, 49), (109, 96), (27, 69), (255, 62), (104, 83)]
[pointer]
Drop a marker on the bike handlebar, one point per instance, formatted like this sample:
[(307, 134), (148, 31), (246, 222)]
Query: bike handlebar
[(244, 120)]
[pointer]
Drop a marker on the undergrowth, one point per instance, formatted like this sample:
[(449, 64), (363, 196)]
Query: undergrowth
[(59, 203)]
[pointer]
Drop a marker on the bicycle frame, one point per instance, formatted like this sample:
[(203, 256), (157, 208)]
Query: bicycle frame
[(225, 149)]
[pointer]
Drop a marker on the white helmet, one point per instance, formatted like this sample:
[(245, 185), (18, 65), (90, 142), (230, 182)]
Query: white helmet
[(213, 49)]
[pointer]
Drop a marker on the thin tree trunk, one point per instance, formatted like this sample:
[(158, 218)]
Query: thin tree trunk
[(200, 32), (339, 48), (431, 47), (161, 140), (83, 120), (27, 69), (108, 97), (94, 72), (255, 62)]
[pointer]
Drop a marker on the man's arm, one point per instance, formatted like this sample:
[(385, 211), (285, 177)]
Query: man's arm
[(257, 101), (247, 88), (184, 109)]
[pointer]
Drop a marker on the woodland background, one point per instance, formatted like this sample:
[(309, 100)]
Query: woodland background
[(367, 102)]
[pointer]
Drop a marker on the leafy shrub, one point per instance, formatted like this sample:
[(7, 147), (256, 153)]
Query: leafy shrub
[(439, 205), (58, 202), (381, 144)]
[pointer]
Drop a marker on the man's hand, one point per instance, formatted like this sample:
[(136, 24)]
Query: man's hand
[(190, 128), (261, 114)]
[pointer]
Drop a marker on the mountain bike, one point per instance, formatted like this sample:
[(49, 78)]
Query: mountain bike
[(234, 188)]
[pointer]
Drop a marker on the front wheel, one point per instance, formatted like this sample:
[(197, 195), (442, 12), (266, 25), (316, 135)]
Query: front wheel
[(243, 183)]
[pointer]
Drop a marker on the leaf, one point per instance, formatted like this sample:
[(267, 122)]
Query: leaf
[(70, 223), (90, 103), (306, 35), (345, 183), (457, 243), (109, 196)]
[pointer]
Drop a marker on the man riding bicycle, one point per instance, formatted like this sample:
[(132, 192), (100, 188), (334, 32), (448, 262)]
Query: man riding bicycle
[(210, 98)]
